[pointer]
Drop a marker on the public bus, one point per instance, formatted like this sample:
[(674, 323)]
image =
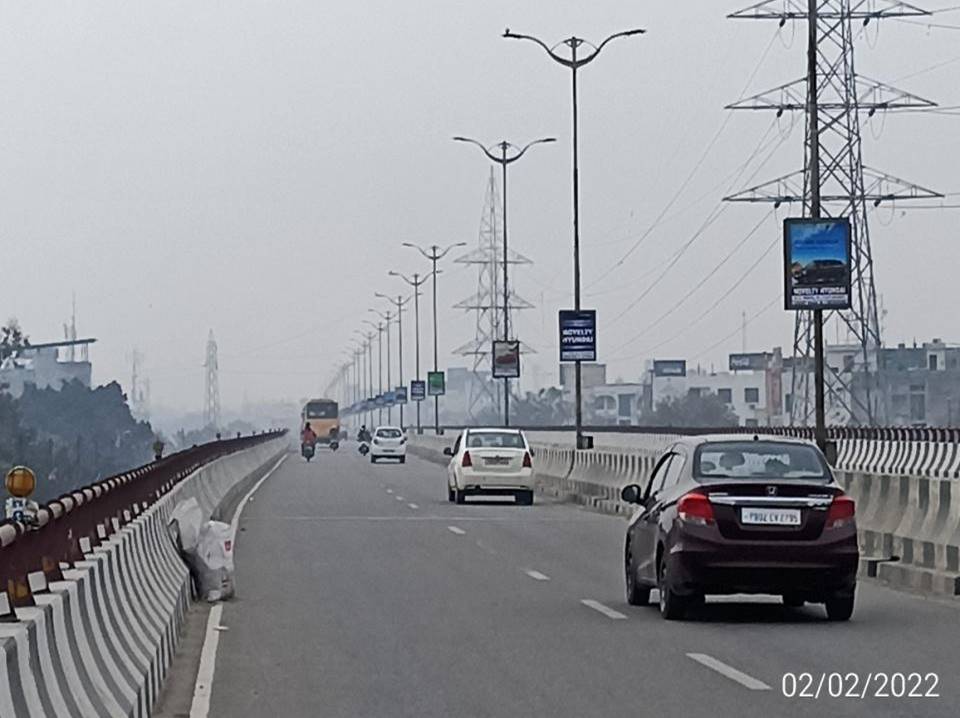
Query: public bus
[(324, 418)]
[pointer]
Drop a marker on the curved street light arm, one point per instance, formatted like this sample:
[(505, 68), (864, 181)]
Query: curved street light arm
[(562, 60), (526, 147), (614, 36), (484, 149)]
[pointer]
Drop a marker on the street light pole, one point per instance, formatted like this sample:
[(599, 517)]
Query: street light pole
[(435, 255), (400, 303), (575, 62), (416, 282), (386, 317), (503, 160), (379, 327)]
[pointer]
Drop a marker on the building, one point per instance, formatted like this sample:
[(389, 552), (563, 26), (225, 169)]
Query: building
[(45, 365)]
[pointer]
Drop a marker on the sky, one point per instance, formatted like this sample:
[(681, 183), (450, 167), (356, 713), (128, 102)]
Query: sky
[(253, 167)]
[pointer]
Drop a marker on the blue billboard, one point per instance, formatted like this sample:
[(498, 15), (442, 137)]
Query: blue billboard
[(817, 266), (578, 335)]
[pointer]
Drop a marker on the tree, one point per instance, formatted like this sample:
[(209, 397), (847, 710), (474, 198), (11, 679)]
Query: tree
[(692, 410), (12, 338)]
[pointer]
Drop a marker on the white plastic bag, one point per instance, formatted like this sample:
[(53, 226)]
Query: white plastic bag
[(214, 561), (189, 518)]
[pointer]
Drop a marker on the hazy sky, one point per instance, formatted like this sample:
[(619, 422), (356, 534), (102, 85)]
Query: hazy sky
[(253, 167)]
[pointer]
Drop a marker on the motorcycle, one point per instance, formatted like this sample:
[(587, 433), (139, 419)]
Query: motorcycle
[(364, 449), (307, 451)]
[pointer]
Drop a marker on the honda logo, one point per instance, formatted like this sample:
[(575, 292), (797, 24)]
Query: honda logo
[(771, 491)]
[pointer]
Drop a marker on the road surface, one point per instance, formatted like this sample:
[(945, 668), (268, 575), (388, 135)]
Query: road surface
[(362, 592)]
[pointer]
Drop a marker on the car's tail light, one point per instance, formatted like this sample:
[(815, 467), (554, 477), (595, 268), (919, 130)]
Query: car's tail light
[(377, 442), (842, 512), (467, 461), (695, 508), (403, 440), (527, 461)]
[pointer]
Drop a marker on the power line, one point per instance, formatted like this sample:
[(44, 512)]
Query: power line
[(763, 310), (696, 168), (697, 286), (704, 315)]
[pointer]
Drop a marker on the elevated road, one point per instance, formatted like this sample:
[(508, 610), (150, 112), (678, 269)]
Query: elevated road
[(362, 592)]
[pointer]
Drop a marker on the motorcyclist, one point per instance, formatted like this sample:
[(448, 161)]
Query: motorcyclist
[(363, 435), (308, 436)]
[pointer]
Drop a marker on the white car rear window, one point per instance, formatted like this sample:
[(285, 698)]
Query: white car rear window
[(495, 440), (389, 433)]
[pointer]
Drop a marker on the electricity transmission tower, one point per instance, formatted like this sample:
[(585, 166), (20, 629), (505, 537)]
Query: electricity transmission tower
[(844, 99), (487, 302), (211, 389)]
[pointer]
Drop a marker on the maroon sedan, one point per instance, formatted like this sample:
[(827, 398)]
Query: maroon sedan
[(723, 515)]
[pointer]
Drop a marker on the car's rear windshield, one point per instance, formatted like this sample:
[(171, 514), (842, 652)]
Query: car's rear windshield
[(495, 440), (759, 459), (389, 433)]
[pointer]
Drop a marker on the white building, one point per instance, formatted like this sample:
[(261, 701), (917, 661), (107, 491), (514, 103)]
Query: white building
[(41, 365)]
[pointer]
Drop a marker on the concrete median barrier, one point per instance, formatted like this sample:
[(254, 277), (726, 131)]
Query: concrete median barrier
[(100, 641)]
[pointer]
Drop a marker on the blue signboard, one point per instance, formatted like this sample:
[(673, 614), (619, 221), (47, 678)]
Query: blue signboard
[(418, 390), (389, 399), (578, 335), (400, 395), (817, 267)]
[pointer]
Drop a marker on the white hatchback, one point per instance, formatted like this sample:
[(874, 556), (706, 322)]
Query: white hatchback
[(389, 442), (490, 461)]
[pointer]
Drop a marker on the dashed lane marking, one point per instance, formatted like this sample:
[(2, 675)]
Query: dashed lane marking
[(605, 610), (537, 576), (413, 506), (456, 530), (729, 671)]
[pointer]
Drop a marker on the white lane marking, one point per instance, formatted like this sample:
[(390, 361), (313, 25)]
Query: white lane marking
[(398, 498), (456, 530), (203, 688), (605, 610), (389, 491), (537, 576), (729, 671), (413, 506)]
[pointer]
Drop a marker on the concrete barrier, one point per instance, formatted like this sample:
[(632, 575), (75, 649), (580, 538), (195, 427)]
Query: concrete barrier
[(99, 642)]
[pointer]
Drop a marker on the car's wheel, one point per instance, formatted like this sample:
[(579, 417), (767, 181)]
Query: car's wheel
[(793, 600), (525, 498), (451, 495), (840, 608), (672, 606), (637, 595), (459, 496), (403, 459), (373, 459)]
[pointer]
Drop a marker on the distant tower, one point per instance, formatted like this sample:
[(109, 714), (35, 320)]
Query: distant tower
[(488, 257), (211, 394), (136, 398)]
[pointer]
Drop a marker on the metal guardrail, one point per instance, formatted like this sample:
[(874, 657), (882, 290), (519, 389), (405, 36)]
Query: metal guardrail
[(77, 522), (896, 433)]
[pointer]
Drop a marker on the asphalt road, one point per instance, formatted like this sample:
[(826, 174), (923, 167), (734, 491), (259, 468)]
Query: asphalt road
[(362, 592)]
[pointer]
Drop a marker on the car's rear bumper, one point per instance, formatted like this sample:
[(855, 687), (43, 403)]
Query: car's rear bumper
[(388, 451), (814, 569), (477, 482)]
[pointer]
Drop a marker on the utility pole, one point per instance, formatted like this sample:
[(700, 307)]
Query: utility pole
[(504, 160), (416, 281), (574, 63), (434, 255)]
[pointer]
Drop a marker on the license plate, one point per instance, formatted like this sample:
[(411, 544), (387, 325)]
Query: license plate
[(496, 460), (770, 517)]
